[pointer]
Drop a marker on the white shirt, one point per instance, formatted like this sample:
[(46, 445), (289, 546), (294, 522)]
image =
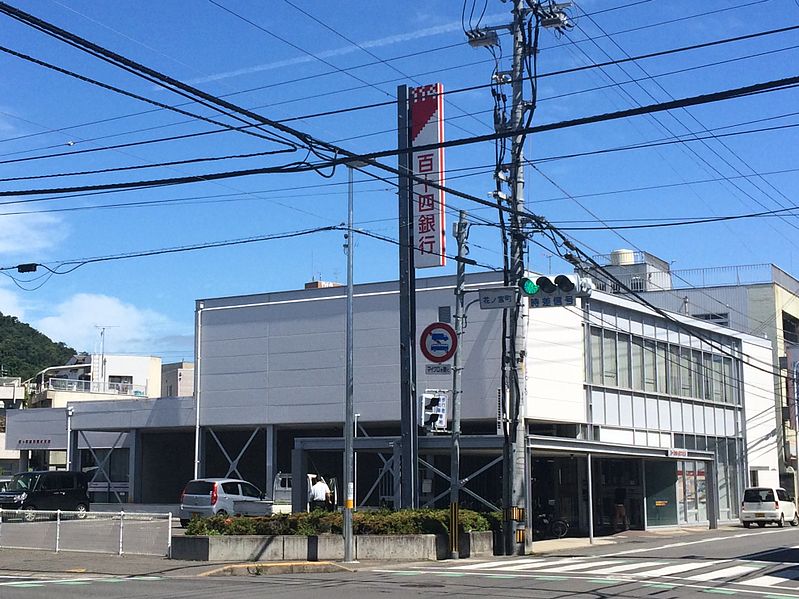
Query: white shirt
[(319, 491)]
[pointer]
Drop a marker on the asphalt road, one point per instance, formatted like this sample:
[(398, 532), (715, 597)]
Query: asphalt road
[(758, 563)]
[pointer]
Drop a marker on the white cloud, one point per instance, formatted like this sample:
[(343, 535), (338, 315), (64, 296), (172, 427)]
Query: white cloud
[(129, 329), (25, 234), (10, 304)]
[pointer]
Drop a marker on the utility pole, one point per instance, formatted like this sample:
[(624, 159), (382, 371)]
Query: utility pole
[(461, 233)]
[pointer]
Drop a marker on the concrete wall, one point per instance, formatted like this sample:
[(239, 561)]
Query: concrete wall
[(177, 380), (262, 357), (761, 433)]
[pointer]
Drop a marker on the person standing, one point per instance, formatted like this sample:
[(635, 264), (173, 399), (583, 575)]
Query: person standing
[(319, 494)]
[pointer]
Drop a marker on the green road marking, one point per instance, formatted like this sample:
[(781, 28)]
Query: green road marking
[(719, 591), (780, 596), (26, 585), (110, 580), (407, 573), (605, 580), (550, 577), (146, 578), (73, 582), (660, 585), (451, 574), (500, 576)]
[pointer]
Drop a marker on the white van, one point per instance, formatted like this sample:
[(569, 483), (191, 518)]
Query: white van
[(768, 504)]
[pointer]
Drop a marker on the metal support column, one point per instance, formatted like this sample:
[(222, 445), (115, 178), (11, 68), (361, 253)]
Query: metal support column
[(590, 501), (349, 486), (407, 300), (271, 459)]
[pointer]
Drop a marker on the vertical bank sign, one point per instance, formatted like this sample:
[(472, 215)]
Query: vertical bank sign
[(427, 128)]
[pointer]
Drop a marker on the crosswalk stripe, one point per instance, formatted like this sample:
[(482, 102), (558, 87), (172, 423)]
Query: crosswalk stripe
[(483, 565), (575, 567), (626, 567), (724, 573), (676, 569), (770, 581), (545, 564)]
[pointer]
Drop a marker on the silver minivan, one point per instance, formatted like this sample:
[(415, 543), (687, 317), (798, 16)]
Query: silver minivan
[(209, 496)]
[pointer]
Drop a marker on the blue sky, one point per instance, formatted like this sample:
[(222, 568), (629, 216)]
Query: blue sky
[(148, 303)]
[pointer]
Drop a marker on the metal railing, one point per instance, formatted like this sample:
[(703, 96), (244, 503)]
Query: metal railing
[(120, 533), (94, 387)]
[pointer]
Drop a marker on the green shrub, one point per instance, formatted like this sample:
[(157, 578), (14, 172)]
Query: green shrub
[(382, 522)]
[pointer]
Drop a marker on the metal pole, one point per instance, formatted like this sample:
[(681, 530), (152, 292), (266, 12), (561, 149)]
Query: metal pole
[(796, 427), (197, 365), (590, 503), (461, 233), (69, 438), (355, 464), (408, 402), (514, 475), (348, 411)]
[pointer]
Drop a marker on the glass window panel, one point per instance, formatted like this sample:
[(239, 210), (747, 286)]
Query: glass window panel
[(662, 368), (707, 377), (719, 418), (609, 358), (718, 379), (701, 492), (664, 411), (639, 412), (729, 384), (637, 366), (651, 413), (688, 418), (676, 416), (674, 370), (596, 356), (640, 438), (681, 491), (685, 373), (625, 410), (650, 366), (623, 346), (696, 373)]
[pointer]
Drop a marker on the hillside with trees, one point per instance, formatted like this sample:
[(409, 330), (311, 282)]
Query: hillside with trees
[(24, 351)]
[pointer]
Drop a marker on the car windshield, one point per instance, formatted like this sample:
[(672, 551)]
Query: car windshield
[(758, 495), (23, 482)]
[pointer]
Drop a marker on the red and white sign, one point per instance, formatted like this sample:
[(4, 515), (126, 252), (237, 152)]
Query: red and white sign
[(427, 127), (438, 342)]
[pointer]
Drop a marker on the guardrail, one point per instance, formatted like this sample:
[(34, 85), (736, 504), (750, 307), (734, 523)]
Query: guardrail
[(121, 533)]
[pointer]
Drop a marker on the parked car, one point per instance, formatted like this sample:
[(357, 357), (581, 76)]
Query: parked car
[(768, 504), (46, 490), (210, 496), (4, 480)]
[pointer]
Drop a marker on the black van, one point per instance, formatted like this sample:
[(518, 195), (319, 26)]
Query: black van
[(47, 490)]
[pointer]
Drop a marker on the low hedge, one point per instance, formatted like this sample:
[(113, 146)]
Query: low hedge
[(383, 522)]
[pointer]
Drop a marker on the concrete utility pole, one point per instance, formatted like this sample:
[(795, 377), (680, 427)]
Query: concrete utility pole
[(461, 234), (515, 439), (348, 403)]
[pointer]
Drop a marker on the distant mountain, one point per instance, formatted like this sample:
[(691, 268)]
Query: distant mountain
[(24, 351)]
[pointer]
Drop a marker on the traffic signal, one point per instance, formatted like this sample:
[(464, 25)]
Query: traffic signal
[(561, 290), (433, 415)]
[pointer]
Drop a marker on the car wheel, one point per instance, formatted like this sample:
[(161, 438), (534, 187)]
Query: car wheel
[(29, 515), (747, 524), (184, 523), (221, 513), (82, 509), (761, 524), (781, 521), (795, 521)]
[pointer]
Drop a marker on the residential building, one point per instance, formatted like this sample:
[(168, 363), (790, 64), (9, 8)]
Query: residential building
[(12, 395), (177, 380)]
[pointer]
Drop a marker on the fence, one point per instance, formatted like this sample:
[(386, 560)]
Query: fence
[(94, 532)]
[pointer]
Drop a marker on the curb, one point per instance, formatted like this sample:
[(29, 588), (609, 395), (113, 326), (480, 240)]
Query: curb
[(262, 569)]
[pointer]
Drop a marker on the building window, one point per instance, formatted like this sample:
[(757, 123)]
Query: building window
[(720, 318)]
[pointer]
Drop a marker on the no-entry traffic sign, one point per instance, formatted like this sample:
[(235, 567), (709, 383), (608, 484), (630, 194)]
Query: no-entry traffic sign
[(438, 342)]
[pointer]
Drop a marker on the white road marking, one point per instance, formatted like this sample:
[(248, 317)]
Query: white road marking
[(684, 543), (546, 564), (771, 580), (675, 569), (575, 567), (488, 565), (625, 567), (724, 573)]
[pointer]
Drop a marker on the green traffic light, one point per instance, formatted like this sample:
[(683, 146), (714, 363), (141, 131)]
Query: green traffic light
[(529, 287)]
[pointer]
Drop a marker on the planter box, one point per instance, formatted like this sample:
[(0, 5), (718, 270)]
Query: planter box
[(252, 548)]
